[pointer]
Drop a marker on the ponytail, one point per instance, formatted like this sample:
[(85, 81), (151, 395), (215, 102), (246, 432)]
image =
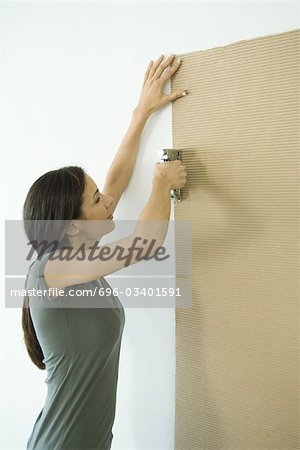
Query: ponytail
[(31, 342), (57, 196)]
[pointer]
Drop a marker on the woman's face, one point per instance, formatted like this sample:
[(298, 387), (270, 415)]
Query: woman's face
[(96, 208)]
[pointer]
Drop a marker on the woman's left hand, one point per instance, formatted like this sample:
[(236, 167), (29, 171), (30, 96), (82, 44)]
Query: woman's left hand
[(152, 97)]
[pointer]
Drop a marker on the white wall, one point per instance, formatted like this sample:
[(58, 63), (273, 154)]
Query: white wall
[(71, 76)]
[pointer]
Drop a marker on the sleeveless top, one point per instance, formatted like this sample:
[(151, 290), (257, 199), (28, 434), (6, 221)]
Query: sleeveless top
[(81, 348)]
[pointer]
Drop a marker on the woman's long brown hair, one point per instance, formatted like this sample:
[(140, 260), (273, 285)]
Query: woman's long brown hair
[(56, 195)]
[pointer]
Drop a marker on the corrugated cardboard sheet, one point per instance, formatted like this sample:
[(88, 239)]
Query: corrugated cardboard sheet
[(237, 351)]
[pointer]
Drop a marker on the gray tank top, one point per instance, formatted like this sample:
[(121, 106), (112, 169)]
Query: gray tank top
[(81, 348)]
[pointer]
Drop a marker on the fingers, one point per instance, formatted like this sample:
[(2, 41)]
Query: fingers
[(178, 162), (171, 70), (162, 67), (156, 68), (155, 65)]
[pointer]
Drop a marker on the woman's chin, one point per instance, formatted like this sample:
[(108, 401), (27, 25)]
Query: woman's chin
[(109, 225)]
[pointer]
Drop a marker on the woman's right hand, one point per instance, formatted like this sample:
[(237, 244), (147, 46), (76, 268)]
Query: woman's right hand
[(172, 171)]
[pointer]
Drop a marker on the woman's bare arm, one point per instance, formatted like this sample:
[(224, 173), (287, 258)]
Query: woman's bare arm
[(152, 225)]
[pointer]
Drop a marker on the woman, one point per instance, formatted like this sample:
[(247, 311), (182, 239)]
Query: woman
[(80, 346)]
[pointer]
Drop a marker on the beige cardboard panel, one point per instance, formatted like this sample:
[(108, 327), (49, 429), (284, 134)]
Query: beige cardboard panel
[(237, 349)]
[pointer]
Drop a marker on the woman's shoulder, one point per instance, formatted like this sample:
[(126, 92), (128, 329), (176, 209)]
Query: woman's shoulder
[(51, 270), (43, 268)]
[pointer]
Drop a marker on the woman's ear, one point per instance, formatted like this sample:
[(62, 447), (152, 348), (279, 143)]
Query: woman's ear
[(73, 228)]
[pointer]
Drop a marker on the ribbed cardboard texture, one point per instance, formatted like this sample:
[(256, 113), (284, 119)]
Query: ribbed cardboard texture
[(237, 349)]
